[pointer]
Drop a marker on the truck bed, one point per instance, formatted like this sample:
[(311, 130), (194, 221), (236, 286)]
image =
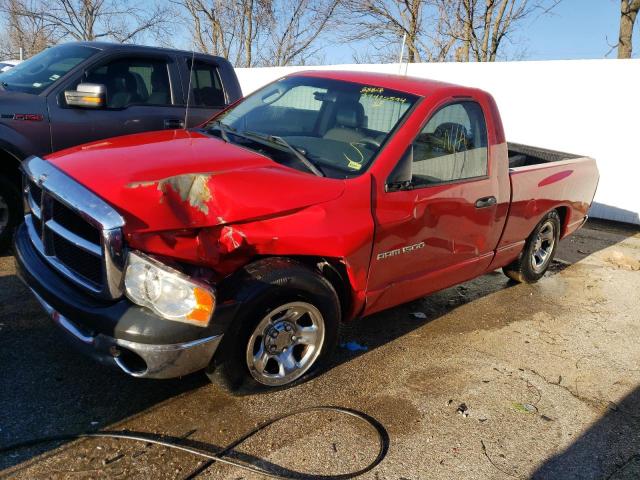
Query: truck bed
[(544, 179), (525, 155)]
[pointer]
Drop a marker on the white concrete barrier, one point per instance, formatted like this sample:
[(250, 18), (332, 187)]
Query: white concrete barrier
[(589, 107)]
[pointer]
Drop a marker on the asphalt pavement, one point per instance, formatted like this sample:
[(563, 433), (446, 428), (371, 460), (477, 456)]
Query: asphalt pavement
[(488, 379)]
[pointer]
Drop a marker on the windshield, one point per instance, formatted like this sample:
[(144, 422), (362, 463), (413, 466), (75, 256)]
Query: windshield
[(337, 126), (42, 70)]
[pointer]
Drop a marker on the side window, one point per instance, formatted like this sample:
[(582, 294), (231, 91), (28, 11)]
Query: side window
[(206, 87), (133, 81), (452, 146)]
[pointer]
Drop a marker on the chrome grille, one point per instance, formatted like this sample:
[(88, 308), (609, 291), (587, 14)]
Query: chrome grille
[(78, 233)]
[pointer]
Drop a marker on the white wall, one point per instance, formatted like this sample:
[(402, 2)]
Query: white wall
[(589, 107)]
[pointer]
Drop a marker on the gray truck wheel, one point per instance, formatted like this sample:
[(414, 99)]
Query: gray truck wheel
[(286, 328), (10, 212), (538, 251)]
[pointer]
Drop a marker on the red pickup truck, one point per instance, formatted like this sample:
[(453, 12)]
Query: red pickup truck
[(240, 246)]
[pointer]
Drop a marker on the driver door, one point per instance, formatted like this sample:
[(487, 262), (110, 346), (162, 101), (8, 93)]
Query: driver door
[(443, 229)]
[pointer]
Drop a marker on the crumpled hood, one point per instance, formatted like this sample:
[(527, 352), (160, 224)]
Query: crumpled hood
[(171, 180)]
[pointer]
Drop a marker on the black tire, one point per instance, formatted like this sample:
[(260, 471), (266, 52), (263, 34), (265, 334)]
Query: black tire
[(10, 211), (527, 268), (267, 286)]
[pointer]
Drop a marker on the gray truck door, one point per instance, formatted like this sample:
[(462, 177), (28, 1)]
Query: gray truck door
[(143, 94), (207, 95)]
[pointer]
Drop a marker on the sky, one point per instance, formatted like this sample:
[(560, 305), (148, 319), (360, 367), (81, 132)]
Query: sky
[(575, 29)]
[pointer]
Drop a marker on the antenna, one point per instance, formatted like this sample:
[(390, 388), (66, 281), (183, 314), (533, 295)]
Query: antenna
[(186, 110), (404, 39)]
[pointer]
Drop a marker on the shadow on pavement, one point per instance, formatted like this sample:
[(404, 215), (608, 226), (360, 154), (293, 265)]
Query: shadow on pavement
[(609, 449)]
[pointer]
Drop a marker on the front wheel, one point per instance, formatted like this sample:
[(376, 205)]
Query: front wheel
[(538, 251), (285, 330), (285, 344)]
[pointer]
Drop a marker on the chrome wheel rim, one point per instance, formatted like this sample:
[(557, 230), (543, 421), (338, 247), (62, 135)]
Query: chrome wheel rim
[(4, 214), (543, 245), (285, 343)]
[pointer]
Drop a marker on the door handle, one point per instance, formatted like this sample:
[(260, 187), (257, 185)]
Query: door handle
[(485, 202), (173, 123)]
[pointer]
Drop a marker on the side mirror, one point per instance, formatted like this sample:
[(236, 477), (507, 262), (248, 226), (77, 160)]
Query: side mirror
[(87, 95), (400, 178)]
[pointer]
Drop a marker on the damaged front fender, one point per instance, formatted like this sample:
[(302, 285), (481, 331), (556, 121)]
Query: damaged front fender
[(304, 232)]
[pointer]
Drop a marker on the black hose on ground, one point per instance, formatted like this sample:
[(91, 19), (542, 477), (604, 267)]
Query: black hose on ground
[(222, 455)]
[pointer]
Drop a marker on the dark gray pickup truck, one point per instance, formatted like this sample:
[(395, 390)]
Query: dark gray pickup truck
[(79, 92)]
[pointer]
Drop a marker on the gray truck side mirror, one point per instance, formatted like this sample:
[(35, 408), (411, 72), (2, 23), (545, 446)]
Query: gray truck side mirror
[(401, 175), (87, 95)]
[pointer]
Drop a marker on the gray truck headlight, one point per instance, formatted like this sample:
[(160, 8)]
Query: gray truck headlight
[(167, 292)]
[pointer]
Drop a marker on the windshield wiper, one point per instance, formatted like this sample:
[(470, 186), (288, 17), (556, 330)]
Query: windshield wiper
[(223, 130), (281, 141)]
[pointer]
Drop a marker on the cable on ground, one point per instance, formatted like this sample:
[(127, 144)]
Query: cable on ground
[(221, 455)]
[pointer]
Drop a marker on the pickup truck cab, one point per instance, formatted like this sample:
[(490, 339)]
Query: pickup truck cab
[(240, 246), (80, 92)]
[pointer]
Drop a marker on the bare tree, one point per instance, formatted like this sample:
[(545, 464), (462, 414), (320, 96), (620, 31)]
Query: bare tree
[(29, 33), (296, 27), (441, 30), (119, 20), (628, 13), (227, 28), (259, 32), (481, 26), (385, 23)]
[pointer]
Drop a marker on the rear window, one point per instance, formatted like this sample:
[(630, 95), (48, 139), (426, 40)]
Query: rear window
[(206, 87)]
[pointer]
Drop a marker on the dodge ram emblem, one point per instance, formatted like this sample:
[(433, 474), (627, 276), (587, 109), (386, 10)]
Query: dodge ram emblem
[(399, 251)]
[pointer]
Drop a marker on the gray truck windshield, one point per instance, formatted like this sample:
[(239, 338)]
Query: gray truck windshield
[(42, 70)]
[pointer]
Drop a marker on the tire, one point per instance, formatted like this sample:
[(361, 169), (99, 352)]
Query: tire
[(538, 251), (10, 211), (284, 332)]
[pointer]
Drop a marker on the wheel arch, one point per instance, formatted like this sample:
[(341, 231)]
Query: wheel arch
[(10, 160), (333, 270), (563, 213)]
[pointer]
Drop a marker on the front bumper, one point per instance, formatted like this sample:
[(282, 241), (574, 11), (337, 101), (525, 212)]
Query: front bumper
[(138, 359), (120, 333)]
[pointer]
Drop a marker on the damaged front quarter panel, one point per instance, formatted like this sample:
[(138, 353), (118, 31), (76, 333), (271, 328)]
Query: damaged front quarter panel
[(304, 232), (223, 248)]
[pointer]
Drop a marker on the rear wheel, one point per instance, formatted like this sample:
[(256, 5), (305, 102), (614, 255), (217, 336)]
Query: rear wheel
[(10, 211), (285, 330), (538, 251)]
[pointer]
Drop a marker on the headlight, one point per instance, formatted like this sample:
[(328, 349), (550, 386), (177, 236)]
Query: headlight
[(167, 292)]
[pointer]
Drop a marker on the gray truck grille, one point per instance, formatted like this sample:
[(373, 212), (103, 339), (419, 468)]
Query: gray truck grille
[(75, 231)]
